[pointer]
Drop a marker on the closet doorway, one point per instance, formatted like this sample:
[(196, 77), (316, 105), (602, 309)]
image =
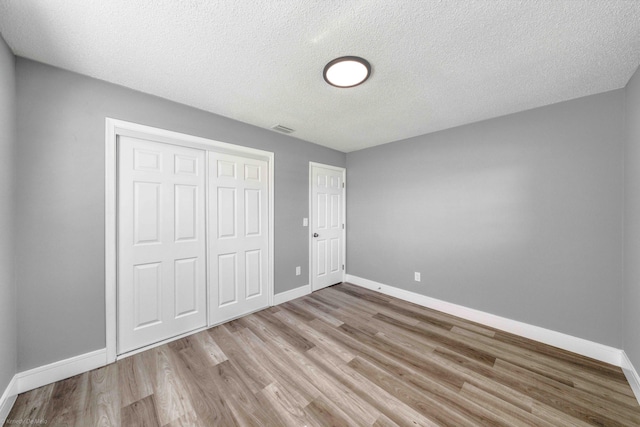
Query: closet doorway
[(189, 235)]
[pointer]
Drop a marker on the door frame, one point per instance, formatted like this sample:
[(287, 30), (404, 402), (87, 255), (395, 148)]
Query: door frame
[(344, 218), (115, 128)]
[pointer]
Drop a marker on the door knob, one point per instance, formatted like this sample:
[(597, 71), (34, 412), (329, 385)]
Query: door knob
[(315, 234)]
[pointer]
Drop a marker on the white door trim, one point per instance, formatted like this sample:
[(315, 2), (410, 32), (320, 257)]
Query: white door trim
[(114, 128), (344, 218)]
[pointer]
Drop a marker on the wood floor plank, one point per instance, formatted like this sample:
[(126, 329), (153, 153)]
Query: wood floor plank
[(317, 337), (442, 339), (64, 408), (604, 391), (285, 331), (406, 343), (190, 419), (516, 414), (324, 412), (522, 360), (213, 351), (199, 385), (384, 421), (300, 313), (134, 378), (280, 366), (32, 405), (245, 418), (540, 389), (232, 386), (614, 373), (141, 413), (308, 375), (556, 417), (385, 403), (575, 401), (562, 371), (311, 308), (378, 351), (414, 308), (102, 401), (402, 314), (254, 376), (423, 404), (284, 406), (312, 301), (168, 386), (468, 370), (341, 356)]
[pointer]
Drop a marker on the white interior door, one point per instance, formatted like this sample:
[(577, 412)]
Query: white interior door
[(161, 242), (238, 236), (327, 225)]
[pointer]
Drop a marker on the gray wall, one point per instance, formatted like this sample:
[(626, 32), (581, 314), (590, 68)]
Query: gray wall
[(60, 200), (7, 283), (632, 223), (519, 216)]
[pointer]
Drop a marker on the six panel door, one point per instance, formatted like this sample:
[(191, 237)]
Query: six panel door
[(161, 242), (327, 221), (238, 236)]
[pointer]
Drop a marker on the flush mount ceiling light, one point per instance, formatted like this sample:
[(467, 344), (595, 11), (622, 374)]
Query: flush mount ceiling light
[(347, 71)]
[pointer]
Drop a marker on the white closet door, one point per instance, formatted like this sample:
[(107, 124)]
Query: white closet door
[(161, 242), (238, 236), (327, 226)]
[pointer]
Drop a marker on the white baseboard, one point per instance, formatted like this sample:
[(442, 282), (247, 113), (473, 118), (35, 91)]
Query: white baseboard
[(581, 346), (43, 375), (631, 374), (47, 374), (8, 399), (292, 294)]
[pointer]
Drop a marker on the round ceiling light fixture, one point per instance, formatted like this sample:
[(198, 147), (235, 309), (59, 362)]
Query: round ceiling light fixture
[(347, 71)]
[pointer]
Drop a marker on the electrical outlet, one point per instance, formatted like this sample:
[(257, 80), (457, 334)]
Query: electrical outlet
[(416, 276), (298, 271), (305, 222)]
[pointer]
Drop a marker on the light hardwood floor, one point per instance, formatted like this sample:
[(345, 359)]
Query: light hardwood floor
[(343, 356)]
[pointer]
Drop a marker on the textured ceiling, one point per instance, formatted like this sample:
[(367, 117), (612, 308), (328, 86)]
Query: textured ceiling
[(436, 64)]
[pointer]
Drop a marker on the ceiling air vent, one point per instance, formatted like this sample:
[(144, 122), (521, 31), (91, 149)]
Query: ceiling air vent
[(282, 129)]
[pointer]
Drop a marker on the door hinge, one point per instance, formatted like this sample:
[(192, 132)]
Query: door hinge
[(343, 226), (343, 185), (343, 266)]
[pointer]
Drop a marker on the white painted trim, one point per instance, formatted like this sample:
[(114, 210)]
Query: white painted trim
[(310, 229), (292, 294), (57, 371), (344, 218), (632, 375), (272, 228), (8, 399), (581, 346), (114, 128), (110, 239), (344, 221)]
